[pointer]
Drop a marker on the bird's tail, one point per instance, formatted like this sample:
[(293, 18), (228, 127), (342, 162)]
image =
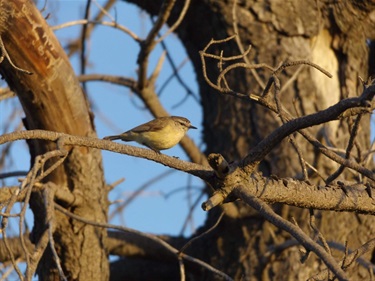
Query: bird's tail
[(111, 138)]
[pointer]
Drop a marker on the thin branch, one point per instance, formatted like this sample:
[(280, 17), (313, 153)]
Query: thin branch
[(300, 158), (118, 80), (176, 74), (182, 268), (200, 171), (75, 45), (177, 23), (349, 148), (10, 252), (191, 241), (6, 93), (149, 43), (241, 65), (13, 174), (138, 191), (49, 194), (104, 10), (191, 209), (240, 45), (155, 74), (83, 43), (301, 62), (35, 175), (4, 54), (105, 23), (318, 233), (5, 274)]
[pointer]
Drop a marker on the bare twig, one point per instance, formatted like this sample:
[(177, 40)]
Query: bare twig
[(105, 23), (11, 255), (118, 80), (5, 274), (182, 268), (240, 45), (191, 241), (318, 233), (191, 209), (302, 62), (49, 194), (13, 174), (155, 74), (75, 45), (177, 23), (4, 54), (349, 148), (300, 157), (36, 174), (6, 93), (176, 74), (138, 191), (83, 43), (241, 65), (104, 10), (149, 43)]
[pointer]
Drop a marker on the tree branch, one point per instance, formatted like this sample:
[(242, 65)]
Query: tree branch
[(200, 171)]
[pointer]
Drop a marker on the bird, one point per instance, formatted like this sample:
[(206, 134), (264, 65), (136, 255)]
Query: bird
[(158, 134)]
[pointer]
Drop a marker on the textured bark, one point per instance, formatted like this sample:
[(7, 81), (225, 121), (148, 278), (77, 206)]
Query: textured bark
[(52, 99), (332, 35)]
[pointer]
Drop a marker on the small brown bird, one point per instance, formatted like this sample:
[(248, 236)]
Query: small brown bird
[(158, 134)]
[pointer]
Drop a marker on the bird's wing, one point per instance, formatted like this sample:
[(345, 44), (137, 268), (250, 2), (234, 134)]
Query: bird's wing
[(148, 127)]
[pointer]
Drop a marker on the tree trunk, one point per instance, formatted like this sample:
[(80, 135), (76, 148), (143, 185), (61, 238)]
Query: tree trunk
[(330, 35), (52, 99)]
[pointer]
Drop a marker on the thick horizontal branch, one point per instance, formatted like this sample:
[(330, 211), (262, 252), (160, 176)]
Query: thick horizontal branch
[(304, 195)]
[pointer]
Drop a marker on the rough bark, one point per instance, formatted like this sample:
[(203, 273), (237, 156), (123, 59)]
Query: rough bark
[(331, 35), (52, 99)]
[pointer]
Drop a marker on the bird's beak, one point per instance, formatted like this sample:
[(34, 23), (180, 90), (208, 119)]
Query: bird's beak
[(192, 127)]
